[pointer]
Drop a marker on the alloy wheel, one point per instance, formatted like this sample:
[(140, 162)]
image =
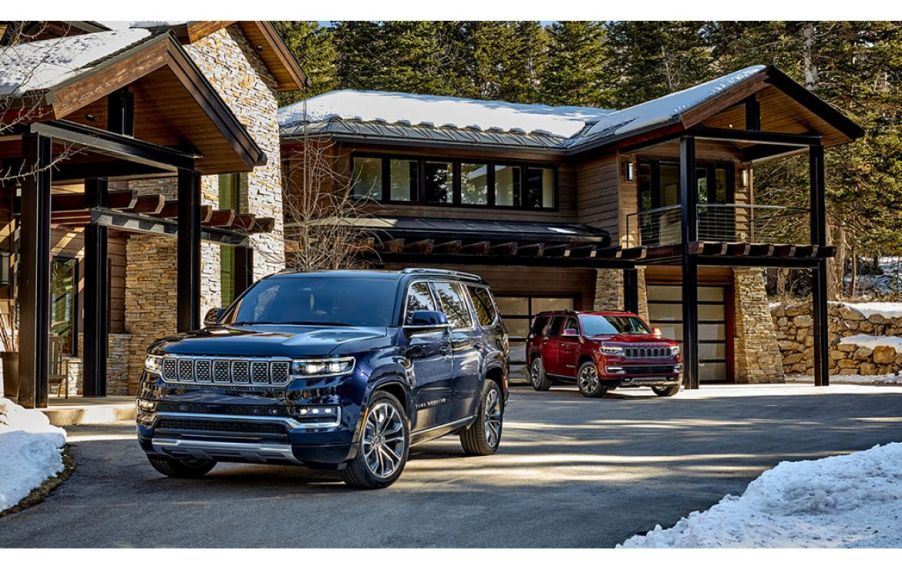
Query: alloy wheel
[(534, 374), (588, 379), (493, 416), (383, 440)]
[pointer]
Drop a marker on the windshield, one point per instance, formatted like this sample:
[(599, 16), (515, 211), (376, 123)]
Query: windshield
[(594, 325), (317, 300)]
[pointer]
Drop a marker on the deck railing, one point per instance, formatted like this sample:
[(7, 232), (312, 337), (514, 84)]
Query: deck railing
[(720, 222)]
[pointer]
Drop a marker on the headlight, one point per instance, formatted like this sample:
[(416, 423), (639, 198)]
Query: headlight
[(675, 350), (314, 368), (153, 363), (612, 350)]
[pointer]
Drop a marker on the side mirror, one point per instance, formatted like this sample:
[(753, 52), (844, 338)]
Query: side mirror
[(570, 332), (657, 332), (427, 320), (212, 317)]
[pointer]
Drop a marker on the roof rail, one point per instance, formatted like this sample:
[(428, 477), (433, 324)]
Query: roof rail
[(449, 272)]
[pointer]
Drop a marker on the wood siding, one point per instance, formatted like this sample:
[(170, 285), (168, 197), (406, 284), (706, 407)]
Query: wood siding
[(598, 203)]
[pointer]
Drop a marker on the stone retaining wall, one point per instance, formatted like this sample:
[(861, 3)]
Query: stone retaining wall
[(794, 327)]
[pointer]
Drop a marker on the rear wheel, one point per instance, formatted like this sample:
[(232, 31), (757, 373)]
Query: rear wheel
[(666, 391), (182, 468), (537, 377), (383, 446), (484, 436), (587, 381)]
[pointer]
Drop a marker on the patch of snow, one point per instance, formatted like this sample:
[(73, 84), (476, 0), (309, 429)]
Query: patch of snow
[(887, 310), (891, 378), (30, 451), (843, 501), (43, 64), (118, 25), (457, 112), (871, 341), (664, 108)]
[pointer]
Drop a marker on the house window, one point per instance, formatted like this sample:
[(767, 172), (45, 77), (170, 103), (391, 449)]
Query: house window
[(64, 301), (659, 184), (367, 173), (474, 184), (450, 182), (404, 180), (507, 185)]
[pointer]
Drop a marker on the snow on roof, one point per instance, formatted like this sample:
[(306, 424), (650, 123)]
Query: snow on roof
[(436, 111), (665, 108), (117, 25), (43, 64)]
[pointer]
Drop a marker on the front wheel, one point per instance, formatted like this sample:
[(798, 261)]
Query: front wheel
[(484, 436), (383, 446), (182, 469), (666, 391), (587, 381)]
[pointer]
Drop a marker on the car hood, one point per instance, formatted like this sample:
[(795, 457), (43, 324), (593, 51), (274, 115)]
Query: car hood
[(628, 338), (290, 341)]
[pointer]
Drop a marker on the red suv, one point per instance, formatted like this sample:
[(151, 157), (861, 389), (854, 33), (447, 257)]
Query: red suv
[(601, 351)]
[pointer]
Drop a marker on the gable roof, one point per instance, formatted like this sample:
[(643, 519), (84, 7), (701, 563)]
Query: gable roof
[(375, 115)]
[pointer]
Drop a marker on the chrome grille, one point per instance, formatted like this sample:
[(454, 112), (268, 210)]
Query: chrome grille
[(647, 352), (205, 370)]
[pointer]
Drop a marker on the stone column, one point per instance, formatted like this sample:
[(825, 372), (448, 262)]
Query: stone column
[(609, 291), (757, 354)]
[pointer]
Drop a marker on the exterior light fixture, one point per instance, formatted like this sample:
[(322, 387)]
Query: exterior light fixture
[(745, 177), (4, 268), (630, 173)]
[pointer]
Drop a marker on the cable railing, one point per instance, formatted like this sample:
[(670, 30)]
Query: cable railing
[(720, 222)]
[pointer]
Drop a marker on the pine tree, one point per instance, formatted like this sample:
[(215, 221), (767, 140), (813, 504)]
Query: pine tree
[(575, 73), (312, 45)]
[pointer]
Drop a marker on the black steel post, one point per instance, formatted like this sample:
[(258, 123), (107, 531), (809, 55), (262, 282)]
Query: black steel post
[(631, 290), (818, 221), (34, 274), (97, 294), (689, 231), (188, 244), (121, 112), (752, 114), (244, 269)]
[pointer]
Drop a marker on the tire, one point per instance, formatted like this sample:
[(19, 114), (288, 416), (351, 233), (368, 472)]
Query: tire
[(587, 381), (666, 391), (484, 436), (383, 446), (182, 469), (537, 377)]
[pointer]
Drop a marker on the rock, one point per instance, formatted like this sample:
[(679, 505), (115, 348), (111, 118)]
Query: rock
[(866, 326), (868, 368), (850, 314), (792, 358), (884, 355), (803, 321), (877, 319), (847, 363), (843, 347), (834, 355), (848, 371), (863, 353), (778, 311)]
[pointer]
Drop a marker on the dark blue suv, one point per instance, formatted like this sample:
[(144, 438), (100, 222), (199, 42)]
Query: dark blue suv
[(336, 369)]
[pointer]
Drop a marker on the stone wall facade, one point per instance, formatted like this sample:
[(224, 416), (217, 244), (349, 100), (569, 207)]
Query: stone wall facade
[(795, 335), (757, 356), (609, 291), (240, 77)]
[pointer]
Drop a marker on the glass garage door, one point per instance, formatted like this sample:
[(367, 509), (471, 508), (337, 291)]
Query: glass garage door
[(517, 313), (665, 311)]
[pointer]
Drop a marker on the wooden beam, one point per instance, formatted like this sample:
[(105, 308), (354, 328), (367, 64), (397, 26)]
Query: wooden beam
[(784, 250), (221, 218), (148, 204), (420, 246), (478, 247), (505, 248), (761, 250), (738, 248), (393, 245), (452, 246), (536, 249)]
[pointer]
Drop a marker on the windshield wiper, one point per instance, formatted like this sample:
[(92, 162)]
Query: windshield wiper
[(323, 323)]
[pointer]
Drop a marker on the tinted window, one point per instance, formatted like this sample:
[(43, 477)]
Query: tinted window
[(482, 302), (474, 183), (404, 179), (317, 300), (539, 191), (556, 326), (439, 187), (538, 325), (597, 324), (570, 323), (419, 298), (368, 178), (452, 303), (507, 181)]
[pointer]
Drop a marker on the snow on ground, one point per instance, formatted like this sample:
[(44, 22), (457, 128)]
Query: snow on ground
[(40, 65), (845, 501), (30, 451), (871, 341), (891, 379), (887, 310)]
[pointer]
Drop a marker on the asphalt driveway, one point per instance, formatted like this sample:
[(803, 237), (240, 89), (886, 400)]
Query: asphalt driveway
[(571, 472)]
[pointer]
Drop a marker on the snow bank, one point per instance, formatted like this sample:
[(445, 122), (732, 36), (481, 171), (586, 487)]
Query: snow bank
[(439, 111), (43, 64), (887, 310), (30, 451), (870, 341), (845, 501)]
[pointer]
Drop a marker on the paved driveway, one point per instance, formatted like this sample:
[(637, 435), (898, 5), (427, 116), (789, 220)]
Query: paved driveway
[(571, 472)]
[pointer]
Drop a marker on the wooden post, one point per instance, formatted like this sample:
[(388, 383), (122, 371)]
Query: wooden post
[(188, 245), (34, 275), (689, 234)]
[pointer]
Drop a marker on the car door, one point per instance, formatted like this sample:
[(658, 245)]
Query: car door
[(551, 344), (430, 355), (568, 348), (465, 388)]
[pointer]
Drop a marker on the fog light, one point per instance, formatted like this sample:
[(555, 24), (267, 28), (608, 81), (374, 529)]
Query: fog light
[(146, 405), (614, 369), (320, 415)]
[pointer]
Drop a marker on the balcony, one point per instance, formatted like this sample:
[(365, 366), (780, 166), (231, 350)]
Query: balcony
[(726, 223)]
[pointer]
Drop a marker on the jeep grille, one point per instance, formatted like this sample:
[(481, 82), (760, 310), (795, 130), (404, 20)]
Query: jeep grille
[(226, 371), (647, 352)]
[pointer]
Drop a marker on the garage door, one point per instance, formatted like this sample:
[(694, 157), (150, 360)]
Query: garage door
[(517, 313), (665, 311)]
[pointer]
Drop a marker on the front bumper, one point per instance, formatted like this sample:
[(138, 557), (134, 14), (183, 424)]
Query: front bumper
[(622, 372)]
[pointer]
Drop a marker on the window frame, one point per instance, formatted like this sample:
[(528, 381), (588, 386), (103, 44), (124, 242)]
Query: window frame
[(464, 297), (710, 167), (410, 284), (472, 303), (456, 201)]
